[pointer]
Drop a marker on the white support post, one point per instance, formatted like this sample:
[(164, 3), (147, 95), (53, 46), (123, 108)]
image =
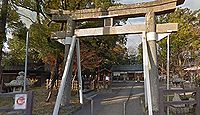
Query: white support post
[(64, 77), (26, 61), (79, 71), (168, 51), (146, 73), (144, 60)]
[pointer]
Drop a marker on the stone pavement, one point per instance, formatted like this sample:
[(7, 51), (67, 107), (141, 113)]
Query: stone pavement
[(111, 102)]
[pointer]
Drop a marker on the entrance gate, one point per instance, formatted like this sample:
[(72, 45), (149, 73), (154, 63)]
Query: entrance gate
[(150, 31)]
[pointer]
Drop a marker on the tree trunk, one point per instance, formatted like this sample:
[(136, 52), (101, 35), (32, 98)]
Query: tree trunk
[(52, 83), (38, 11), (3, 19), (54, 77)]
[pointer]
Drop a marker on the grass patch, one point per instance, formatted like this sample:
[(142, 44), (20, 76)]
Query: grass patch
[(40, 107)]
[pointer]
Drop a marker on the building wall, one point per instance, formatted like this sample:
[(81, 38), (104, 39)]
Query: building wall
[(129, 76)]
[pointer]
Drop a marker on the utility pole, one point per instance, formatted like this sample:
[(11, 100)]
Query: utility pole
[(152, 52), (168, 52), (26, 62)]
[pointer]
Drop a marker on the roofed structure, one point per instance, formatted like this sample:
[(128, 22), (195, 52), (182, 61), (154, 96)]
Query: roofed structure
[(127, 68), (127, 72)]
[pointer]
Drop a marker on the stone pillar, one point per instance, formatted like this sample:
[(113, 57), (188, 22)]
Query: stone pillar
[(67, 90), (108, 22), (152, 52)]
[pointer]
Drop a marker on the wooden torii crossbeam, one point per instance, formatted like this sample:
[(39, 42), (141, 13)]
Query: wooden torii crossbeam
[(149, 31)]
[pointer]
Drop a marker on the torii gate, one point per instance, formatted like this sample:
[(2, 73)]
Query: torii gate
[(150, 31)]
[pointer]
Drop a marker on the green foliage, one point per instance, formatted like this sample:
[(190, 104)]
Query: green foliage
[(107, 49), (40, 40), (77, 4), (181, 42), (53, 4), (139, 56), (28, 4), (16, 44), (17, 51), (102, 3)]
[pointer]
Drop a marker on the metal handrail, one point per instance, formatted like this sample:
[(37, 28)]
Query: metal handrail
[(125, 103)]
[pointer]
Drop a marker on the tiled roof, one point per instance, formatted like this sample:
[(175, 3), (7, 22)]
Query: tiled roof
[(126, 68)]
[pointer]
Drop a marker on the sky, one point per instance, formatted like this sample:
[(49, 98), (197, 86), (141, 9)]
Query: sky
[(192, 4), (135, 40), (31, 15)]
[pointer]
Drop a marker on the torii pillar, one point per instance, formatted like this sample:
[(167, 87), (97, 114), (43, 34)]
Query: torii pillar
[(152, 54), (149, 9), (67, 42)]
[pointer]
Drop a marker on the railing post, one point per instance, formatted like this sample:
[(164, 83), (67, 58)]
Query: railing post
[(161, 102), (124, 108), (29, 106), (197, 109), (92, 107)]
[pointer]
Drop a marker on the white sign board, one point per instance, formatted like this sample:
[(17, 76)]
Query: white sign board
[(20, 101)]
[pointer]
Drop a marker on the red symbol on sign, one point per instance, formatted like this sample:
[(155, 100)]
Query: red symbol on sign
[(21, 100)]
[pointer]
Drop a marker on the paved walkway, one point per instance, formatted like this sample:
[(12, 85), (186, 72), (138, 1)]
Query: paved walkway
[(111, 102)]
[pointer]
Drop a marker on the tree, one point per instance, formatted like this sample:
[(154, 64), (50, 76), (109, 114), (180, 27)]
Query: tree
[(9, 21), (94, 50), (16, 53), (184, 44), (3, 19), (140, 54)]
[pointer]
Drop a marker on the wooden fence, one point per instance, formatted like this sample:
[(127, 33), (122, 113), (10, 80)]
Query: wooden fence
[(29, 105), (163, 103), (90, 85), (48, 83), (75, 84)]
